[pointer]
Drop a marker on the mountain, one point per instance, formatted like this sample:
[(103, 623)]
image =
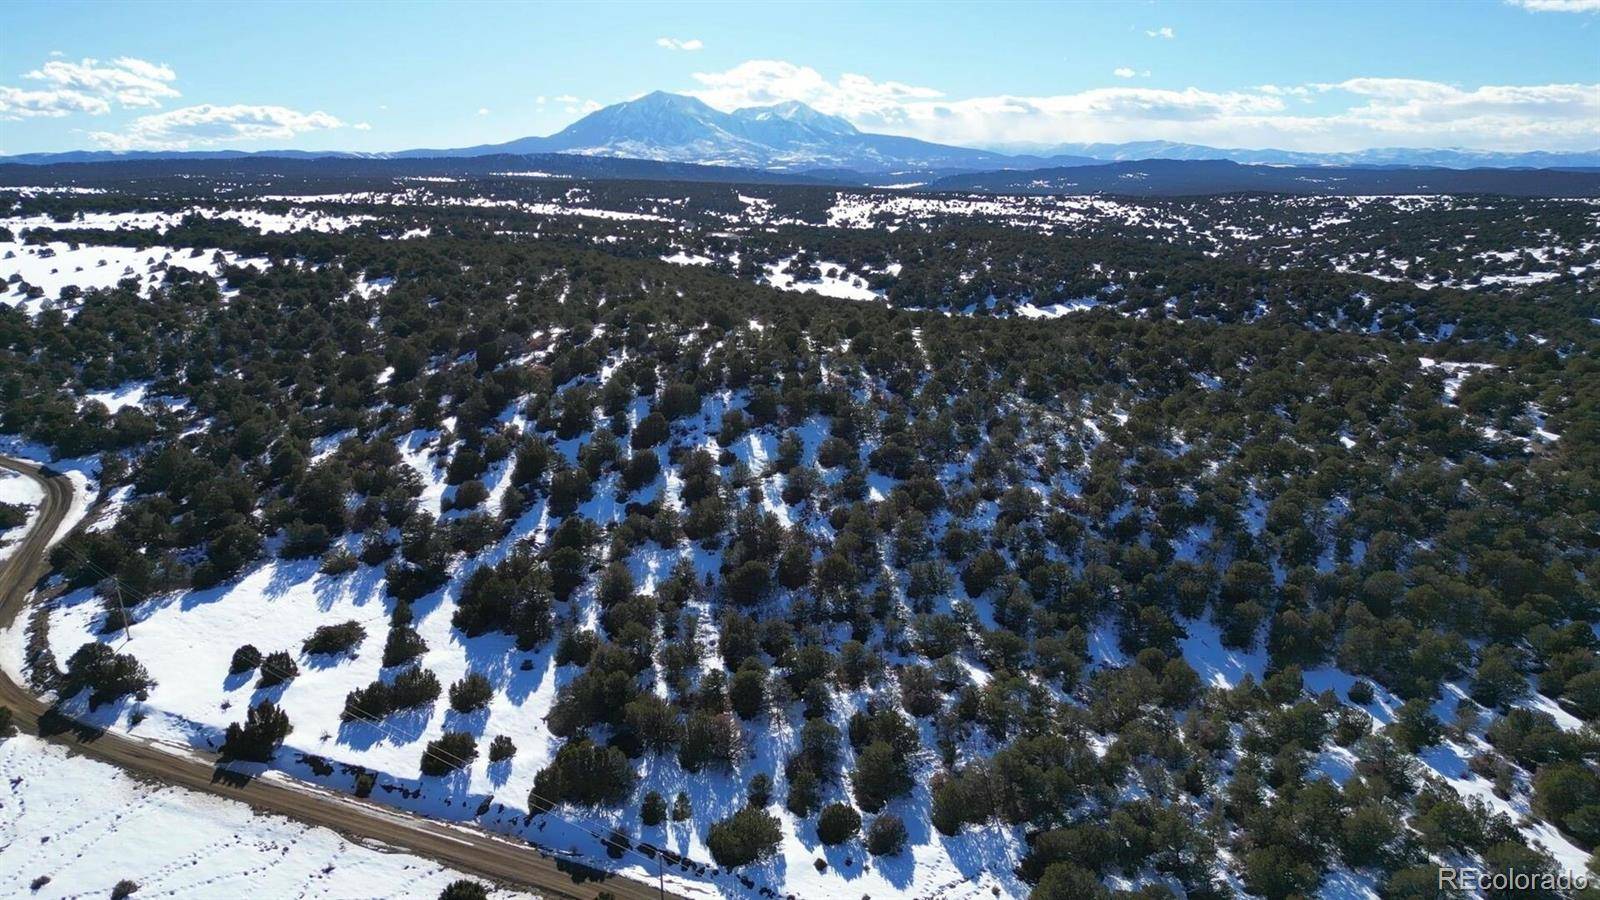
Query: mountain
[(791, 137), (787, 137), (1180, 177)]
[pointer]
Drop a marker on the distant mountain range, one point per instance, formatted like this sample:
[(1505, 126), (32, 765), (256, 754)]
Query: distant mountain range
[(794, 138), (788, 137), (1136, 178), (1179, 177), (1454, 158)]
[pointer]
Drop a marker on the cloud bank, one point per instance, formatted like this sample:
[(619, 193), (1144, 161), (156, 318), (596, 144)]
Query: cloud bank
[(61, 88), (88, 86), (1354, 114), (208, 125), (1570, 6)]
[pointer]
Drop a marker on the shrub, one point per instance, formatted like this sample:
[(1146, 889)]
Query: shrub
[(245, 659), (886, 836), (839, 822), (124, 888), (1567, 795), (760, 789), (12, 515), (8, 727), (747, 691), (512, 596), (402, 646), (464, 889), (651, 430), (881, 775), (501, 748), (805, 791), (334, 638), (471, 693), (653, 811), (582, 772), (265, 726), (276, 668), (568, 489), (338, 561), (453, 750), (744, 837), (107, 674), (576, 647), (411, 688), (708, 738), (470, 494)]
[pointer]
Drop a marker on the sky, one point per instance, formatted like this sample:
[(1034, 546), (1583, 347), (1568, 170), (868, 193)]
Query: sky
[(1486, 74)]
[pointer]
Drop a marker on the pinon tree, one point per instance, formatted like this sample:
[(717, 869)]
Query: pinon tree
[(744, 837), (452, 751), (264, 728)]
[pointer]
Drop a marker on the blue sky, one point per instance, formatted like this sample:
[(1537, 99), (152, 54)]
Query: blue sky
[(369, 76)]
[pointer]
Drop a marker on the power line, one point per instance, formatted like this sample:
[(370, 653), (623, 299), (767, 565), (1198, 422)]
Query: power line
[(368, 717)]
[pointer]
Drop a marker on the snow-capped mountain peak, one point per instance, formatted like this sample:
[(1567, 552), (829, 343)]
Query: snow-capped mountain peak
[(793, 111)]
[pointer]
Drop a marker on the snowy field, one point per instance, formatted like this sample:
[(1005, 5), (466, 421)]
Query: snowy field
[(18, 491), (71, 826), (57, 265)]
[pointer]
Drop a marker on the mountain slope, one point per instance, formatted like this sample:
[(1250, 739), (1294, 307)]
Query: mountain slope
[(785, 137)]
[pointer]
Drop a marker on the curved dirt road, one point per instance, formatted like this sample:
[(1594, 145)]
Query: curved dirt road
[(466, 848)]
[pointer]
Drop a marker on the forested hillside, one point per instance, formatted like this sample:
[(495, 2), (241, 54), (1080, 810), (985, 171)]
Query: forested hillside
[(841, 540)]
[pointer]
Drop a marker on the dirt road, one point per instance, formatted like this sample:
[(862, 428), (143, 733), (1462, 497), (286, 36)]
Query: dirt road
[(467, 848)]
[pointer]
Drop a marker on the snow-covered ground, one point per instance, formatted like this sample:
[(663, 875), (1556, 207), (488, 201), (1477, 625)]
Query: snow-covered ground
[(834, 281), (186, 641), (1446, 761), (81, 826), (19, 491), (56, 265)]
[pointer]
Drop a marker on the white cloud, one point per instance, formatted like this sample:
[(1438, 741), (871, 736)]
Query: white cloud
[(17, 103), (362, 126), (1353, 114), (677, 44), (207, 125), (762, 82), (574, 105), (1572, 6), (483, 110), (1164, 32), (128, 81), (89, 86), (1123, 72)]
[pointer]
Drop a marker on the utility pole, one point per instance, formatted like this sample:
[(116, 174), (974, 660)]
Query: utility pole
[(127, 623)]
